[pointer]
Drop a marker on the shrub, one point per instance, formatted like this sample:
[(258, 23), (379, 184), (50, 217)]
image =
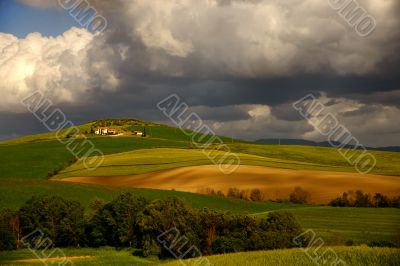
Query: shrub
[(342, 201), (299, 196), (256, 195), (362, 200)]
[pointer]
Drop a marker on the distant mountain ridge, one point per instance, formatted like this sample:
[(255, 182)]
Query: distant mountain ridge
[(321, 144)]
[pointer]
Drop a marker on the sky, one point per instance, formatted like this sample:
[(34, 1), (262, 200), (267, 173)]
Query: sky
[(239, 64)]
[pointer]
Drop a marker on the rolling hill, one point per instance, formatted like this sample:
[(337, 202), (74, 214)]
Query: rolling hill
[(29, 162), (305, 142)]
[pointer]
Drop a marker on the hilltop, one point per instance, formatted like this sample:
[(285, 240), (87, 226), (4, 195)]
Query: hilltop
[(50, 156)]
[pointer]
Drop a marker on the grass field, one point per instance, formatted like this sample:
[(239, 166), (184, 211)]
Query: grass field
[(154, 131), (151, 160), (34, 160), (84, 256), (387, 163), (355, 256), (338, 225), (190, 170), (169, 133), (35, 156), (292, 157), (14, 193), (275, 183), (26, 163)]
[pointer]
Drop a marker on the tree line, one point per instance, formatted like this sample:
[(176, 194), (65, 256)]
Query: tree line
[(361, 199), (131, 221), (300, 196)]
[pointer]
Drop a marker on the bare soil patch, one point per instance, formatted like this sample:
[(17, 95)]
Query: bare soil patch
[(276, 183)]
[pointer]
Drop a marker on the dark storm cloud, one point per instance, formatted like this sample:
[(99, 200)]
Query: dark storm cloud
[(222, 113), (220, 59), (188, 48), (384, 97), (18, 125), (286, 112)]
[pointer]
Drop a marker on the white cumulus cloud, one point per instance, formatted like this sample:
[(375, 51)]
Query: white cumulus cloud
[(59, 67)]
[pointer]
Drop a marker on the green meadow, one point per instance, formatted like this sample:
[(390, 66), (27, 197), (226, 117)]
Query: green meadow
[(34, 160), (84, 256), (336, 225), (340, 225), (26, 163), (355, 256), (151, 160), (324, 158), (13, 193)]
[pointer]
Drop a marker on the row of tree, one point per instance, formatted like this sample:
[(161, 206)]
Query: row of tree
[(361, 199), (130, 221), (298, 195), (244, 194)]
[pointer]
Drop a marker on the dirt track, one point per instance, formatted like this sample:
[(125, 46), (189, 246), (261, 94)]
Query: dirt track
[(276, 183)]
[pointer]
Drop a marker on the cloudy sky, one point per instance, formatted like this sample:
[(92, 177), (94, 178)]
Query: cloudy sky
[(240, 64)]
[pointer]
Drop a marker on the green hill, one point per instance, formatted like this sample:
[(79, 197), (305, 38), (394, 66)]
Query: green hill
[(39, 156), (28, 162), (355, 256)]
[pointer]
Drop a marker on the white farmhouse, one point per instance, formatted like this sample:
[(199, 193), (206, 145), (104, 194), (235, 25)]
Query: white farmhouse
[(105, 131)]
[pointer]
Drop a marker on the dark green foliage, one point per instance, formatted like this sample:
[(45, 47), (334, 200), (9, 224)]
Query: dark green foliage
[(166, 228), (162, 215), (247, 234), (225, 244), (59, 219), (115, 223), (211, 224), (278, 230)]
